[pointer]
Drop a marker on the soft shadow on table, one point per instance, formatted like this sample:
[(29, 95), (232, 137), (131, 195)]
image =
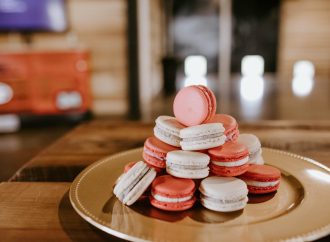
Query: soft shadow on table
[(78, 229)]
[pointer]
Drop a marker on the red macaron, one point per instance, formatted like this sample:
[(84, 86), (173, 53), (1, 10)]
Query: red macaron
[(262, 179), (172, 194), (229, 123), (230, 159), (194, 105), (155, 151)]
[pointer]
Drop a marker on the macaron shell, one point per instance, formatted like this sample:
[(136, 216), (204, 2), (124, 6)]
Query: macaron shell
[(194, 105), (169, 186), (186, 173), (228, 171), (223, 188), (154, 162), (155, 152), (212, 101), (263, 190), (169, 124), (201, 130), (180, 206), (251, 141), (230, 151), (262, 173), (230, 207), (158, 147), (189, 158), (229, 122), (203, 144)]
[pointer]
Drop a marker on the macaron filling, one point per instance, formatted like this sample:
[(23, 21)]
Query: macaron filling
[(232, 163), (161, 198), (262, 183)]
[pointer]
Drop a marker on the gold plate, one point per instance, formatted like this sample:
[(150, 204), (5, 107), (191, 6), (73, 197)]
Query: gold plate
[(300, 210)]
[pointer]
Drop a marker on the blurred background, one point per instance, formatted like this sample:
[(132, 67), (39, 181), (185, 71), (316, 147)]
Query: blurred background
[(66, 61)]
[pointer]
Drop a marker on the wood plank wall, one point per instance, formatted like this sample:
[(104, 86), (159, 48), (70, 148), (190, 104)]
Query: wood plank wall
[(101, 27), (304, 35)]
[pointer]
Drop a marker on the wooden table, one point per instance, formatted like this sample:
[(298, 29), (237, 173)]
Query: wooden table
[(36, 206)]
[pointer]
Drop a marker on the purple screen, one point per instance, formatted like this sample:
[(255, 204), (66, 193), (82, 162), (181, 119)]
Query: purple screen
[(32, 15)]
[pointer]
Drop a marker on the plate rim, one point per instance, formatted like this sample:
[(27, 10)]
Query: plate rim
[(308, 236)]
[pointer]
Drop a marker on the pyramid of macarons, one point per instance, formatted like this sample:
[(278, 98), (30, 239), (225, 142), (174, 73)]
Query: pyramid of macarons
[(197, 149)]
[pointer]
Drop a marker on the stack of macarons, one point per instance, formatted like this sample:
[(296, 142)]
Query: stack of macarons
[(197, 146)]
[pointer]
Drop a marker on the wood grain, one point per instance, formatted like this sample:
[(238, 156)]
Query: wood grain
[(42, 212), (304, 35), (93, 140)]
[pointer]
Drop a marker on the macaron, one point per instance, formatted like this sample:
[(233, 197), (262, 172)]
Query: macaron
[(262, 179), (230, 159), (229, 123), (172, 193), (223, 194), (194, 105), (167, 129), (254, 146), (134, 183), (155, 151), (203, 136), (187, 164), (127, 167)]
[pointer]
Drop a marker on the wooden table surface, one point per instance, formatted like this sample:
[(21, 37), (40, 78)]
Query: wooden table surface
[(36, 206)]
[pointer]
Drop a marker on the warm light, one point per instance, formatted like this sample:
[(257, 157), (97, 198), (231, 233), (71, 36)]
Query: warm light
[(252, 65), (189, 81), (303, 68), (302, 86), (195, 69), (303, 74), (195, 66), (56, 16), (9, 123), (6, 93), (68, 100), (252, 88)]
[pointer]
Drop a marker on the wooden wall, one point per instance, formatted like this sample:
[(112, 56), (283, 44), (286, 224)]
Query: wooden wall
[(101, 27), (304, 35), (151, 50)]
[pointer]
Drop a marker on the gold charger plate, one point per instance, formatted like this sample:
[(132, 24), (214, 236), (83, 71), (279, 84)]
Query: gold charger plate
[(299, 210)]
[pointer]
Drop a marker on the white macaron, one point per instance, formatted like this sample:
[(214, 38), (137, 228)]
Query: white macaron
[(134, 183), (167, 129), (203, 136), (187, 164), (223, 194), (254, 146)]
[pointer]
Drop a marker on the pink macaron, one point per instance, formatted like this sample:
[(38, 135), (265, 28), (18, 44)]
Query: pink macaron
[(229, 123), (194, 105), (230, 159), (155, 151), (172, 194), (262, 179)]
